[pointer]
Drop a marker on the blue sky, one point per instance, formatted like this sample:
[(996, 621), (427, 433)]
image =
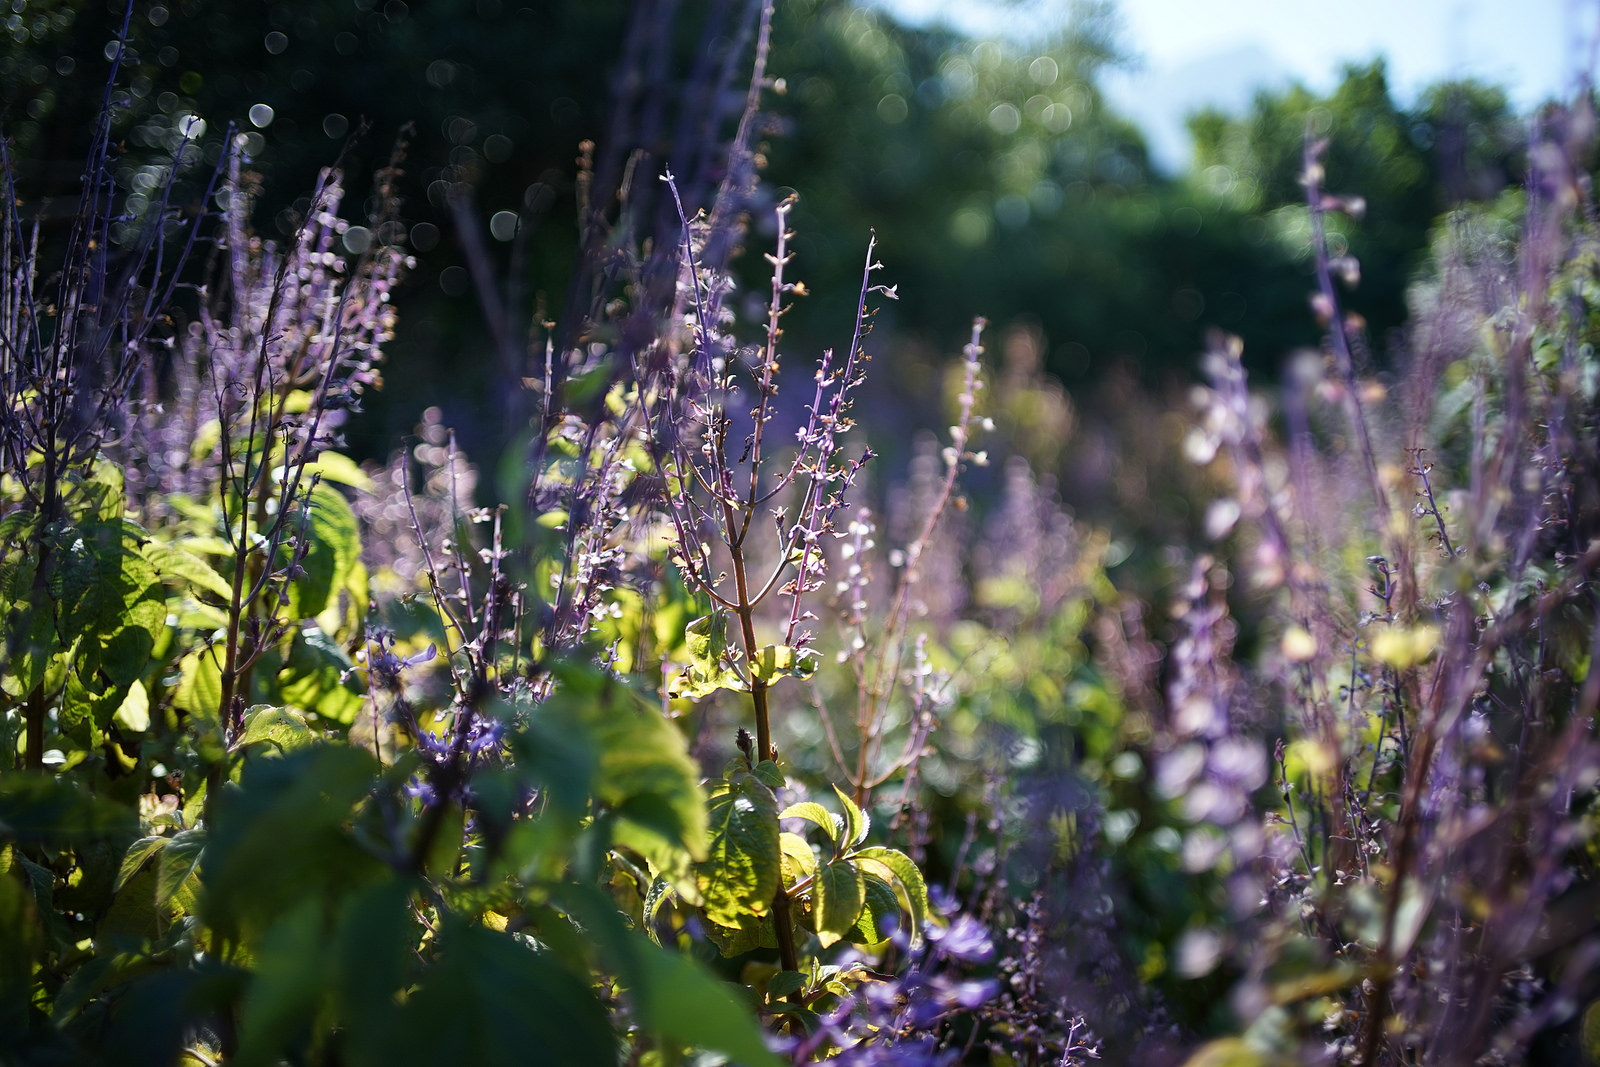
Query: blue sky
[(1195, 53)]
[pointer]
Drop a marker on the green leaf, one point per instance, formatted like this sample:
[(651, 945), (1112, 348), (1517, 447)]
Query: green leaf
[(199, 689), (373, 948), (491, 1000), (784, 983), (679, 1000), (781, 661), (798, 858), (57, 812), (741, 871), (282, 835), (709, 669), (880, 912), (106, 591), (857, 822), (1227, 1052), (769, 773), (291, 967), (673, 996), (752, 933), (319, 678), (180, 864), (337, 467), (599, 736), (813, 812), (175, 561), (279, 727), (839, 894), (21, 933), (133, 714), (138, 852), (659, 893), (889, 862), (333, 547)]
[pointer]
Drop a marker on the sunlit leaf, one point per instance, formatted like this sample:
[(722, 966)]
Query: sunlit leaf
[(176, 561), (798, 858), (706, 639), (138, 853), (857, 822), (880, 911), (741, 871), (839, 893), (812, 812), (892, 863), (320, 678), (133, 714), (278, 727), (597, 737), (781, 661), (332, 539), (180, 863)]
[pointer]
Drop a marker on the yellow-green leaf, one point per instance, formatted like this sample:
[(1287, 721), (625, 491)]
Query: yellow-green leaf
[(741, 871), (813, 812), (892, 863), (134, 712), (709, 669), (781, 661), (856, 821), (798, 857), (839, 893)]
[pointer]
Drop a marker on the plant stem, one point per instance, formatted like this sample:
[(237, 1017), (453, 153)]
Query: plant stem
[(781, 919)]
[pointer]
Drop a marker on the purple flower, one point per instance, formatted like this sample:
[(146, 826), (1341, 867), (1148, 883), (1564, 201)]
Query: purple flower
[(965, 941)]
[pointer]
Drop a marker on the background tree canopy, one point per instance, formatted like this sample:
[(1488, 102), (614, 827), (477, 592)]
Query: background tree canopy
[(996, 176)]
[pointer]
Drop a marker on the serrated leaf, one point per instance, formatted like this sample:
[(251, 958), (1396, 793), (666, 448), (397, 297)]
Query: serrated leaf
[(839, 894), (857, 822), (659, 893), (772, 662), (279, 727), (770, 774), (783, 984), (180, 862), (106, 594), (900, 866), (751, 934), (138, 852), (706, 640), (880, 911), (815, 813), (742, 868)]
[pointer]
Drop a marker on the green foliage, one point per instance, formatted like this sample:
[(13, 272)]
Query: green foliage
[(741, 872), (710, 667), (1404, 166)]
